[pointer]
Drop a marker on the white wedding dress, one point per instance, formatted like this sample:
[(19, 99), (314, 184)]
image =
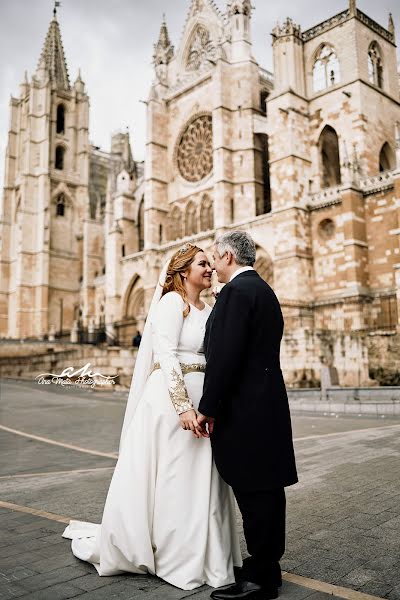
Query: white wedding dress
[(167, 511)]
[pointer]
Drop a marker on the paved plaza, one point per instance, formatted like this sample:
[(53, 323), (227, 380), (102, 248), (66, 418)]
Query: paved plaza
[(58, 450)]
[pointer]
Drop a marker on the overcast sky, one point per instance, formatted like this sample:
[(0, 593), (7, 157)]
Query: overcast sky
[(112, 42)]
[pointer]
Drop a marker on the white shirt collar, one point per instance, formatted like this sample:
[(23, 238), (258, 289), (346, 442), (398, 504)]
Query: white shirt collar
[(241, 270)]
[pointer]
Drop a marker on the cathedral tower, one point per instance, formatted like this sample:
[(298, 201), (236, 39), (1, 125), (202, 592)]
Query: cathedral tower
[(239, 14), (331, 126), (45, 198)]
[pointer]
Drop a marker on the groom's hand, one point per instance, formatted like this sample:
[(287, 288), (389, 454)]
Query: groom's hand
[(202, 421)]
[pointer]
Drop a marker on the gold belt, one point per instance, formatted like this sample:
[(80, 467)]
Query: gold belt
[(186, 367)]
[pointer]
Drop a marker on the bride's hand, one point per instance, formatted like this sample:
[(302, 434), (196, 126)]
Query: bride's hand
[(189, 422)]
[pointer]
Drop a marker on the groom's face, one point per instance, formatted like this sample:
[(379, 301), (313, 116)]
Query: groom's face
[(221, 266)]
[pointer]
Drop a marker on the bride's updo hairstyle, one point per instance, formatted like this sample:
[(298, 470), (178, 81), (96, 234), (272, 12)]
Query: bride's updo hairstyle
[(179, 263)]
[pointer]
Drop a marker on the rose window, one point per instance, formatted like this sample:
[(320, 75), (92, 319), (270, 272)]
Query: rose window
[(202, 51), (195, 151)]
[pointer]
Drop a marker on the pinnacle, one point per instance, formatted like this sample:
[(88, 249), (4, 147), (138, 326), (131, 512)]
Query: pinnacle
[(391, 24), (53, 58), (163, 39), (163, 50), (196, 6)]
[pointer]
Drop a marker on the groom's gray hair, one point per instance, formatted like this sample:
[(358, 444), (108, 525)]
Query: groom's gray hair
[(240, 244)]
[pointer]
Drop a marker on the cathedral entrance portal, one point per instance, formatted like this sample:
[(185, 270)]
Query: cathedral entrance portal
[(133, 311)]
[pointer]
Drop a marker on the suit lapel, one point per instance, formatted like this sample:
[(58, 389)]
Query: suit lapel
[(208, 329)]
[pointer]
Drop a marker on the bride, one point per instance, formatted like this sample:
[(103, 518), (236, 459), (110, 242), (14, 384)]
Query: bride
[(167, 512)]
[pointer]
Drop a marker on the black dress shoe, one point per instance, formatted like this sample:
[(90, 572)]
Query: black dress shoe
[(240, 574), (246, 590)]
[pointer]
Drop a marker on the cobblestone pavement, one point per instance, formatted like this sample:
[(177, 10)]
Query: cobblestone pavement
[(343, 516)]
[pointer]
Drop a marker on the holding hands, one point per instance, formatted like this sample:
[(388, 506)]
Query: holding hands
[(189, 422), (202, 420), (196, 423)]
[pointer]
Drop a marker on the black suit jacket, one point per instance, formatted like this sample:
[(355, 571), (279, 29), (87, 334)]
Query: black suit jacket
[(244, 388)]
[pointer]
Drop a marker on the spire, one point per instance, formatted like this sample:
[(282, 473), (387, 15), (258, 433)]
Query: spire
[(163, 40), (79, 84), (391, 24), (24, 86), (52, 58), (163, 51)]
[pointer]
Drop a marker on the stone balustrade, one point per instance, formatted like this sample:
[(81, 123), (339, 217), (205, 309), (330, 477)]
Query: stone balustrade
[(325, 197), (376, 183)]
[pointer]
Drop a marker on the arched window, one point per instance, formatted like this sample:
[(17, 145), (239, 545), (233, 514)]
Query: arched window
[(206, 214), (375, 68), (386, 158), (60, 211), (326, 69), (261, 165), (175, 224), (190, 224), (263, 101), (60, 118), (160, 234), (329, 155), (60, 158), (141, 225)]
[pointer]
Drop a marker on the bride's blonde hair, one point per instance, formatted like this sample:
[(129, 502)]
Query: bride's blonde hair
[(179, 263)]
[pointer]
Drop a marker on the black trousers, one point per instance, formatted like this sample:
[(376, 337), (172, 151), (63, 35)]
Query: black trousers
[(264, 516)]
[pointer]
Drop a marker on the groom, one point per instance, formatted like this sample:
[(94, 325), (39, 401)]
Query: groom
[(245, 404)]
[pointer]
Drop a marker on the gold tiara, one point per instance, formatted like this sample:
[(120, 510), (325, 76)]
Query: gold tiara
[(185, 248)]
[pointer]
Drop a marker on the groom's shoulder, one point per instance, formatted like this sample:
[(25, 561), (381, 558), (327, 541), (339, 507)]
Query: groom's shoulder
[(246, 281), (252, 284), (238, 288)]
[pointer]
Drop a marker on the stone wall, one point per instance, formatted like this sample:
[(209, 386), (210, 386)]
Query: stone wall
[(26, 361), (384, 353)]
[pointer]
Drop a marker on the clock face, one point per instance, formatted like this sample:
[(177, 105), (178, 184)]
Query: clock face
[(195, 150)]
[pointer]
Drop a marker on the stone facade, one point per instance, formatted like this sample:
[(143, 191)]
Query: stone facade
[(307, 160)]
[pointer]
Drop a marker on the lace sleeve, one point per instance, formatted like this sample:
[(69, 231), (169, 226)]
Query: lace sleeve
[(167, 330)]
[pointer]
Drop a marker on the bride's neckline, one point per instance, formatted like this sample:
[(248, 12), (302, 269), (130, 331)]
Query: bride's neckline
[(199, 309)]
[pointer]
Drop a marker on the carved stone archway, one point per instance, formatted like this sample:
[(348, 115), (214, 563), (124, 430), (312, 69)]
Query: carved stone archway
[(264, 266), (133, 312), (387, 158)]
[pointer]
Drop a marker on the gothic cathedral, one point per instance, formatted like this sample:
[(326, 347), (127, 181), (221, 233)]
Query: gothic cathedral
[(306, 159)]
